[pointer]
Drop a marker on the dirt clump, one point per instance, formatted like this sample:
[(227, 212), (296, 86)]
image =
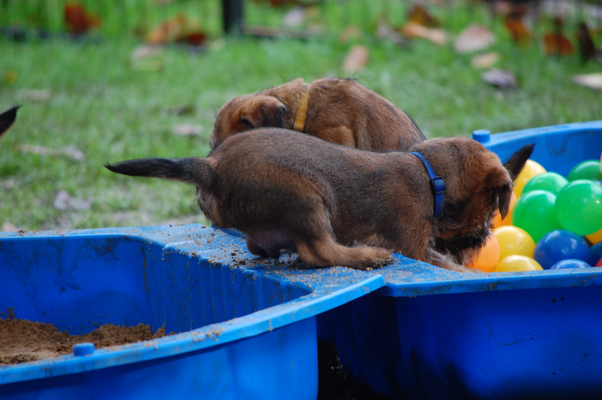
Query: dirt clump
[(23, 341)]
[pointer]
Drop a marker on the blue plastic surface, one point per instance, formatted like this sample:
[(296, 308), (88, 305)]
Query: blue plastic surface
[(436, 334), (244, 329)]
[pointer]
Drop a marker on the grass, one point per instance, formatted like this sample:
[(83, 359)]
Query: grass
[(112, 111)]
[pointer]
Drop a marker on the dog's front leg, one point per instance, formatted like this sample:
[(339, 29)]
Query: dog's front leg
[(447, 262)]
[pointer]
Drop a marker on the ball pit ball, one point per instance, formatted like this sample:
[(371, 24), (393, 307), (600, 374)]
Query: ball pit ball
[(570, 264), (595, 237), (516, 263), (531, 169), (579, 207), (514, 241), (497, 218), (549, 181), (488, 255), (560, 245), (599, 263), (534, 212), (595, 254), (589, 169)]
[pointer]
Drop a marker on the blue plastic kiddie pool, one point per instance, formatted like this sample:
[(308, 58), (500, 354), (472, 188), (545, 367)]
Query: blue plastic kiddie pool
[(248, 330), (242, 331), (436, 334)]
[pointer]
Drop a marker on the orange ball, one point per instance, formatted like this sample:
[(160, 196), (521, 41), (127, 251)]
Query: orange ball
[(497, 218), (487, 256), (595, 237)]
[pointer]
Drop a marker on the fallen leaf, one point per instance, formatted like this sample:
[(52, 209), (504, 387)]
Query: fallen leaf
[(592, 81), (384, 31), (8, 227), (557, 44), (500, 79), (63, 201), (485, 60), (587, 49), (10, 77), (294, 17), (78, 20), (473, 38), (187, 129), (35, 95), (73, 153), (517, 29), (350, 33), (415, 30), (356, 60), (184, 109), (419, 15), (69, 151), (146, 51)]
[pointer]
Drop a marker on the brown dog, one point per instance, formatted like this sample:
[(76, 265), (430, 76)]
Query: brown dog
[(337, 110), (336, 205), (7, 119)]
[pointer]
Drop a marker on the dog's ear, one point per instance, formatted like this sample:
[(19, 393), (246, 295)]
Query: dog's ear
[(264, 111), (504, 194), (517, 161)]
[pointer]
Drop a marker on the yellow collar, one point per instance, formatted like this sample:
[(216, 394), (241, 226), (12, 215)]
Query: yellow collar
[(301, 114)]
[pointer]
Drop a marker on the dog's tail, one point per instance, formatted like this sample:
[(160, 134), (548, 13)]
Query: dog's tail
[(193, 170), (7, 119)]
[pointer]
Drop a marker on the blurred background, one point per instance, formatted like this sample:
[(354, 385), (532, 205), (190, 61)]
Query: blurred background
[(105, 81)]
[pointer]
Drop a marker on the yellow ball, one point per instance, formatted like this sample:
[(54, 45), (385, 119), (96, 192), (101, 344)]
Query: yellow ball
[(595, 237), (514, 241), (517, 263), (531, 169), (497, 218)]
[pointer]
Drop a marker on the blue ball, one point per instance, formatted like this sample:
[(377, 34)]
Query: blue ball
[(560, 245), (596, 254), (570, 264)]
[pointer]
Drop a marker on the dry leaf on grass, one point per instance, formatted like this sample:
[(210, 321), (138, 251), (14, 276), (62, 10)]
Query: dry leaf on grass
[(356, 60), (68, 151), (422, 17), (78, 20), (10, 77), (473, 38), (187, 129), (486, 60), (294, 17), (557, 44), (415, 30), (39, 96), (384, 31), (182, 109), (517, 29), (500, 79), (63, 201), (350, 33), (592, 81), (587, 49), (179, 29), (8, 227)]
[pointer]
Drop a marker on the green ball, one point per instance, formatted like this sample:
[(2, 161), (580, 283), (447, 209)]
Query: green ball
[(549, 181), (589, 170), (579, 207), (534, 213)]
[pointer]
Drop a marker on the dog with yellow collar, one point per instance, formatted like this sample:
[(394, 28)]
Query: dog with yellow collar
[(337, 110)]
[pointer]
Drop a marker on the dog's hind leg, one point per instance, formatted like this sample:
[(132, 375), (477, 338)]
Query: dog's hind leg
[(325, 252)]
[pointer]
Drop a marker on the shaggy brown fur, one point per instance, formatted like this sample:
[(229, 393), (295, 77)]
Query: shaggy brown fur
[(339, 110), (336, 205)]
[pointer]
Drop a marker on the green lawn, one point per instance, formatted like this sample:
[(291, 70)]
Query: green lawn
[(112, 111)]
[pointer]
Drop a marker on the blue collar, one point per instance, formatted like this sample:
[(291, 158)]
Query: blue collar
[(437, 185)]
